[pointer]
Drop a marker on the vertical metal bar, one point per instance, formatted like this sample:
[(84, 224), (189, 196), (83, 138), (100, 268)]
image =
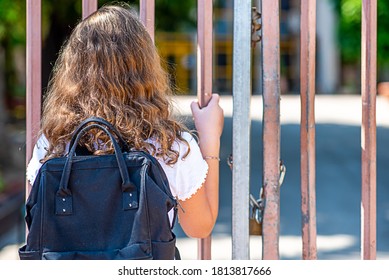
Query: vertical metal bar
[(204, 81), (204, 51), (368, 131), (307, 128), (34, 77), (271, 128), (88, 7), (241, 88), (147, 15)]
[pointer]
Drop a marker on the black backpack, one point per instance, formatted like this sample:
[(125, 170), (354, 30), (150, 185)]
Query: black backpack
[(100, 207)]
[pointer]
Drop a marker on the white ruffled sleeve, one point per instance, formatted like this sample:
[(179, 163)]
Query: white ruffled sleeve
[(187, 175), (38, 153)]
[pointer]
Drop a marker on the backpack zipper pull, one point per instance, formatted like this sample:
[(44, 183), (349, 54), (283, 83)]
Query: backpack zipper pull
[(179, 204)]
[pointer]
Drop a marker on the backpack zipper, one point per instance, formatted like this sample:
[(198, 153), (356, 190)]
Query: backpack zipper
[(179, 204)]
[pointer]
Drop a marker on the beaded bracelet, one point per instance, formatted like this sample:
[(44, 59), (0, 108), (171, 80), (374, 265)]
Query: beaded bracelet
[(211, 157)]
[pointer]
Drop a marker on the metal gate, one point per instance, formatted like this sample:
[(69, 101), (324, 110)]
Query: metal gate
[(270, 12)]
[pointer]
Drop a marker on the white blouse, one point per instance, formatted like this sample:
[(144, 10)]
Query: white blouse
[(185, 177)]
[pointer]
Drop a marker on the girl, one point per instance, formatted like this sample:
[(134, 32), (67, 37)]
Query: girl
[(109, 68)]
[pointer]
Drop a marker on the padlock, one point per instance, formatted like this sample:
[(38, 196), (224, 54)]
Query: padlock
[(255, 220), (255, 228), (257, 206)]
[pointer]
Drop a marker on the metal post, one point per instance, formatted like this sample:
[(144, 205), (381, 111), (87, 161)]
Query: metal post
[(204, 81), (147, 15), (34, 77), (368, 131), (307, 128), (241, 129), (271, 128), (88, 7)]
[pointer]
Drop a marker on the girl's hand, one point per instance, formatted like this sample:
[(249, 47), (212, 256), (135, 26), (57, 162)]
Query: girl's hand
[(209, 120)]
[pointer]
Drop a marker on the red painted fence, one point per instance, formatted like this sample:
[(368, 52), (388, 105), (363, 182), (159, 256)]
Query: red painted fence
[(271, 119)]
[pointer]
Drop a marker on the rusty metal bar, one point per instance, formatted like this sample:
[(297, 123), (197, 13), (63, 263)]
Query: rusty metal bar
[(368, 131), (307, 128), (271, 128), (34, 77), (147, 15), (241, 88), (88, 7), (204, 81)]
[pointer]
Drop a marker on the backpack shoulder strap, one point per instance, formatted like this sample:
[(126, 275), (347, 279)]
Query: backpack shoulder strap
[(123, 144)]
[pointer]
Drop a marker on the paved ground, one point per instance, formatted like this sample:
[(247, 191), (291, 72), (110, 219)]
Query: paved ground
[(338, 181)]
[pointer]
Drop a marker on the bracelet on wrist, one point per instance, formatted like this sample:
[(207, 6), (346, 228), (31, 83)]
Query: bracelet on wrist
[(211, 157)]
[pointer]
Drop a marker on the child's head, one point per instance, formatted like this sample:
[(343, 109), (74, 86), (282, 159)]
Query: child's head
[(109, 68)]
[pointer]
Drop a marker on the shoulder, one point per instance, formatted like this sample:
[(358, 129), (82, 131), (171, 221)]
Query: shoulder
[(183, 146), (188, 174), (187, 136)]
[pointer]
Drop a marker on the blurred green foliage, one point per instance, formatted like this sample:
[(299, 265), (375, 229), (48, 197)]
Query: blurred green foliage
[(349, 32), (60, 16), (12, 35), (2, 185), (175, 16), (12, 21), (171, 15)]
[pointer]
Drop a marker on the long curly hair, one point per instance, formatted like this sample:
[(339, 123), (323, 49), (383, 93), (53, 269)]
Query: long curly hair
[(109, 68)]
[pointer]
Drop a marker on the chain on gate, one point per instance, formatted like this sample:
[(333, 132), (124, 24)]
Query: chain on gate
[(255, 27), (257, 206)]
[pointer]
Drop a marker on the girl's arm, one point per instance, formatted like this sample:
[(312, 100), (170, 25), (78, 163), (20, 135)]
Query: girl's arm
[(201, 209)]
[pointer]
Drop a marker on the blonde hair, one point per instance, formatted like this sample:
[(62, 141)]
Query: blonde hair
[(109, 68)]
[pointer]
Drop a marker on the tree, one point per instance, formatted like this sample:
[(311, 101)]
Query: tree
[(349, 32), (12, 26)]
